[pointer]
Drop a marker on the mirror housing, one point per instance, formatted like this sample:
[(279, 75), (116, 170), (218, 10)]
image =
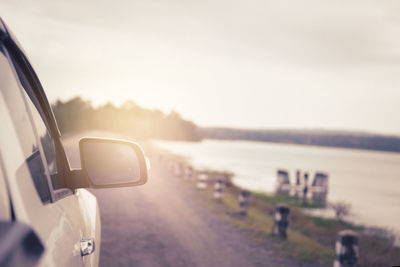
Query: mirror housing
[(109, 163)]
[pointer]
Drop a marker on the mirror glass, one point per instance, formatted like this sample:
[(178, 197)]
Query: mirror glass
[(108, 163)]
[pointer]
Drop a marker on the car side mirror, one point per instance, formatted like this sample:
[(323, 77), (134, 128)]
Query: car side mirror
[(108, 163)]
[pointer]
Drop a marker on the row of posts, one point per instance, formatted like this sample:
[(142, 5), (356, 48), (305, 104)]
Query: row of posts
[(346, 246)]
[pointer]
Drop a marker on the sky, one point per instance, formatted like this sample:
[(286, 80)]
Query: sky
[(247, 64)]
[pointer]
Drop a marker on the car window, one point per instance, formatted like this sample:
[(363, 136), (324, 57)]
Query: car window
[(41, 121), (44, 136), (38, 117), (17, 108)]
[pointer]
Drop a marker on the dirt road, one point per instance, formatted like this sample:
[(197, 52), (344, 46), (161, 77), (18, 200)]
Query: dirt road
[(163, 223)]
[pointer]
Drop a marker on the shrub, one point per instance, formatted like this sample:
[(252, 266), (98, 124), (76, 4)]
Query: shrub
[(341, 210)]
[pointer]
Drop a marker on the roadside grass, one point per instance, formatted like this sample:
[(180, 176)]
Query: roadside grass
[(290, 200), (258, 225), (310, 238), (381, 251)]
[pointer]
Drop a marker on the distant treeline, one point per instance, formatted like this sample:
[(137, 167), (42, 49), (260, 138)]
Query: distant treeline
[(77, 115), (308, 137)]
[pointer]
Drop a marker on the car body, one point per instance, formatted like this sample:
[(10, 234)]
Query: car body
[(38, 188)]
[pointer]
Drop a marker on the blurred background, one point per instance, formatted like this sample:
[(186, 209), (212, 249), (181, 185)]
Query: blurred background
[(244, 87)]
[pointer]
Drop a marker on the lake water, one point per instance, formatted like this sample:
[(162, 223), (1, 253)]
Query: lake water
[(368, 180)]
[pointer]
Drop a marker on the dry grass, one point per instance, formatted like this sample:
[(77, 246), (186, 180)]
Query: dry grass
[(310, 239)]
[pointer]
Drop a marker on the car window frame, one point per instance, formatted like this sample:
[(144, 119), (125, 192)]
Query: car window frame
[(21, 66)]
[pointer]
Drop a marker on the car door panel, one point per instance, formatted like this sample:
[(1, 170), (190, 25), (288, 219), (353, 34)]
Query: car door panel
[(48, 220), (82, 210)]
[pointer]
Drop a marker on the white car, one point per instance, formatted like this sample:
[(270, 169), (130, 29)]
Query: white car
[(47, 218)]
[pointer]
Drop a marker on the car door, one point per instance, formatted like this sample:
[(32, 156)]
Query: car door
[(79, 207), (29, 162)]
